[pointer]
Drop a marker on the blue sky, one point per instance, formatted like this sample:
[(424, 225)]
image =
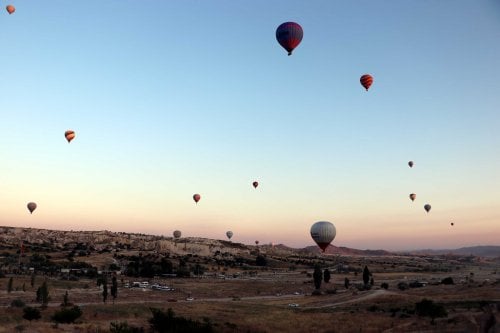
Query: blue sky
[(171, 98)]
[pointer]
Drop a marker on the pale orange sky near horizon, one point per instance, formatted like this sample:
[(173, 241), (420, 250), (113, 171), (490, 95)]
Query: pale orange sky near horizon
[(167, 100)]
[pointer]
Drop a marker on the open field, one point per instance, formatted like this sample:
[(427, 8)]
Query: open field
[(236, 302)]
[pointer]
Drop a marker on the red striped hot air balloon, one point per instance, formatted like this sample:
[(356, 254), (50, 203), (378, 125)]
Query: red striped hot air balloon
[(70, 135), (196, 197), (10, 9), (289, 35), (366, 81)]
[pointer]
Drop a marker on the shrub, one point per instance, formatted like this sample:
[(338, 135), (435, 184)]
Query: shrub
[(403, 285), (67, 316), (30, 313), (167, 322), (17, 303), (447, 280), (384, 285), (123, 327)]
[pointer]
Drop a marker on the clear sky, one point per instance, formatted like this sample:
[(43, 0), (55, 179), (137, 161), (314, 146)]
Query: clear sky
[(172, 98)]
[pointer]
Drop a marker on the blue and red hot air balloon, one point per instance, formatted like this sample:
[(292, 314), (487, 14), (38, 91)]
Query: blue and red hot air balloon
[(289, 35)]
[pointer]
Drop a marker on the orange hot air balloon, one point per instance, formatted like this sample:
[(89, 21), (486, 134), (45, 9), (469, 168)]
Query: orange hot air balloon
[(70, 135), (31, 207), (413, 196), (10, 9), (196, 197), (366, 81), (255, 184)]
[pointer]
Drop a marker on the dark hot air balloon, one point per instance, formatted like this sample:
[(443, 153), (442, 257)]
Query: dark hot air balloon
[(31, 206), (255, 184), (229, 234), (366, 81), (196, 197), (10, 9), (410, 164), (289, 35), (323, 233), (70, 135), (256, 242), (452, 224), (427, 207), (177, 234), (413, 196)]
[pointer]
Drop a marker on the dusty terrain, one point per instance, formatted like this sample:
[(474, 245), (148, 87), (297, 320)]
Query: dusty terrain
[(274, 297)]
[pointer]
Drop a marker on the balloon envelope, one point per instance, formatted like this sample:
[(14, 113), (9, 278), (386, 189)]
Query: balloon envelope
[(31, 206), (177, 234), (452, 224), (255, 184), (10, 9), (410, 164), (256, 242), (289, 35), (323, 233), (427, 207), (196, 197), (366, 81), (70, 135), (413, 196), (229, 234)]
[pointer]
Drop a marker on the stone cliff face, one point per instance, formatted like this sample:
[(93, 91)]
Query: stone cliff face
[(99, 240)]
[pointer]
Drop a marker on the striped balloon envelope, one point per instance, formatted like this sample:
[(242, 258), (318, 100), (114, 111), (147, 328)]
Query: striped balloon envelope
[(366, 81), (289, 35)]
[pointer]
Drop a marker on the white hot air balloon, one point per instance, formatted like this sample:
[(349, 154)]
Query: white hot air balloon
[(323, 233)]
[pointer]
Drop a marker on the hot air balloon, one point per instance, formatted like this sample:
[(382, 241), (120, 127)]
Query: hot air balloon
[(427, 207), (255, 184), (410, 164), (289, 35), (366, 81), (256, 242), (70, 135), (413, 196), (452, 224), (177, 234), (31, 207), (196, 197), (10, 9), (323, 233), (229, 234)]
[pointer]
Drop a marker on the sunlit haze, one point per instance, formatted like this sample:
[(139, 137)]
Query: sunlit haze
[(172, 98)]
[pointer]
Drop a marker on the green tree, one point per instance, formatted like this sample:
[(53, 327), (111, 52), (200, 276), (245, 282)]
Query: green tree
[(105, 290), (427, 308), (317, 276), (114, 288), (42, 294), (30, 314), (65, 299), (9, 285), (326, 275), (366, 275)]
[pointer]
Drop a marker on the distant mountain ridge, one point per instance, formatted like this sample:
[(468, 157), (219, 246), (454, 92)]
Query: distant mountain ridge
[(99, 240), (478, 251)]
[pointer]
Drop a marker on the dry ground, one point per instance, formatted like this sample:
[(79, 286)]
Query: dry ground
[(261, 303)]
